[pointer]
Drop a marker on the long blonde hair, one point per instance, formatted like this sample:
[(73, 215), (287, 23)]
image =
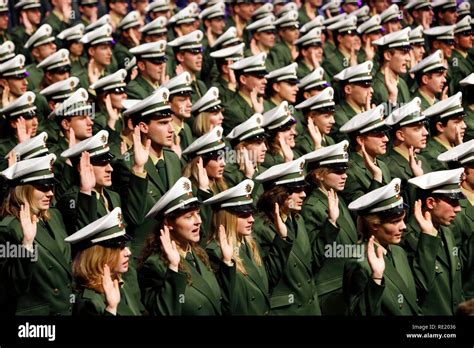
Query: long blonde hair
[(16, 197), (190, 171), (229, 221), (201, 124), (88, 266)]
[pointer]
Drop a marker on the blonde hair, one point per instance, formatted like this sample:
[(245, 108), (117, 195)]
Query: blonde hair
[(88, 266), (229, 221), (16, 197), (201, 124), (190, 171), (318, 172)]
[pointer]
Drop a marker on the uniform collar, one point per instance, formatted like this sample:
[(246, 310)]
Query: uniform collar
[(442, 142), (402, 152), (469, 195), (247, 99)]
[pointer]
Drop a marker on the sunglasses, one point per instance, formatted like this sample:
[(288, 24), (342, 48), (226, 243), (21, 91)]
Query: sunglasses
[(119, 90), (195, 51)]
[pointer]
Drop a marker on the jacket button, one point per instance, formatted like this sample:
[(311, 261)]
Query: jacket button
[(401, 306), (151, 192), (309, 281), (199, 307), (266, 313), (294, 265), (50, 267), (56, 290), (253, 298), (299, 285), (299, 305)]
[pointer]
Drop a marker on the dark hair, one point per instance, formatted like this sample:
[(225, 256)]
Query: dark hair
[(433, 130), (266, 202)]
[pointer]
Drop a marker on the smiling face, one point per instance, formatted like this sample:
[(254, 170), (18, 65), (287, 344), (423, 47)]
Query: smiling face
[(185, 228), (324, 121)]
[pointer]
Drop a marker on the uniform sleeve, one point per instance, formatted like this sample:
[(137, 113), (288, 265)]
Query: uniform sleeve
[(134, 202)]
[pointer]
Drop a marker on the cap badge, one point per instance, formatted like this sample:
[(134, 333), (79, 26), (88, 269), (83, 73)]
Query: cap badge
[(301, 165), (248, 188), (186, 186), (397, 188)]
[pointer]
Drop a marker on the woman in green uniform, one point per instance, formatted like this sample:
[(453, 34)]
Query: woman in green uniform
[(380, 282), (255, 276), (40, 282), (101, 260), (175, 275), (328, 221)]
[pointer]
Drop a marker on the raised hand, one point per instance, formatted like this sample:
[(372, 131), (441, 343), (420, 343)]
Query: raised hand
[(113, 113), (424, 219), (226, 246), (203, 179), (26, 22), (21, 132), (86, 172), (176, 145), (314, 59), (257, 102), (459, 136), (376, 261), (288, 154), (179, 69), (249, 169), (210, 36), (444, 93), (368, 99), (123, 147), (294, 53), (253, 47), (333, 206), (371, 166), (232, 85), (415, 164), (134, 39), (140, 152), (314, 133), (5, 93), (111, 290), (280, 226), (11, 158), (369, 50), (66, 9), (93, 72), (391, 86), (170, 249), (164, 78), (28, 225)]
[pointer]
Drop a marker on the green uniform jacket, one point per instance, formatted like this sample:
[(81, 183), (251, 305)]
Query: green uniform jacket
[(234, 176), (165, 292), (322, 234), (464, 223), (460, 68), (63, 172), (359, 180), (91, 303), (7, 144), (280, 55), (225, 94), (122, 54), (335, 64), (400, 168), (395, 296), (19, 38), (431, 152), (35, 77), (41, 284), (468, 268), (381, 93), (56, 24), (436, 266), (425, 104), (295, 293), (469, 120), (235, 112), (199, 89), (344, 112), (139, 88), (303, 17), (305, 143), (155, 189)]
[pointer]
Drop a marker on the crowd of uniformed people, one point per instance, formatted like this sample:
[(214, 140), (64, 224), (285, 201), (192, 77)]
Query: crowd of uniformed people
[(241, 157)]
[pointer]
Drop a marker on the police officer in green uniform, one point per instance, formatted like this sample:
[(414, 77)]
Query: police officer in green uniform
[(468, 102), (447, 129), (129, 37), (285, 50), (31, 148), (279, 210), (430, 77), (151, 58), (282, 86), (380, 281), (255, 276), (250, 76), (355, 91), (13, 76), (263, 39), (328, 220), (60, 16), (101, 289), (369, 31), (180, 103), (388, 86), (163, 168), (40, 283), (88, 10), (179, 267), (188, 55), (248, 142), (329, 49), (311, 85), (308, 11), (368, 138), (318, 114), (460, 64), (430, 244), (155, 30), (29, 12), (41, 45), (70, 39), (310, 52), (409, 135)]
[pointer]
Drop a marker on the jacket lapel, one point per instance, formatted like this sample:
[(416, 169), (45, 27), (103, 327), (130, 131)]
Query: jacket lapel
[(46, 241), (398, 276), (200, 282), (301, 243), (154, 176), (254, 273)]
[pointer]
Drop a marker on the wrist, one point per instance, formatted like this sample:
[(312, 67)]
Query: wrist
[(138, 169), (174, 268), (111, 309), (229, 263), (86, 191)]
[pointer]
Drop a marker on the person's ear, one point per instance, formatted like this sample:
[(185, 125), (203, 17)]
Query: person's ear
[(348, 89), (276, 87), (430, 203), (400, 135), (180, 57), (439, 127), (424, 79), (141, 65), (360, 139), (143, 127), (65, 124), (387, 56)]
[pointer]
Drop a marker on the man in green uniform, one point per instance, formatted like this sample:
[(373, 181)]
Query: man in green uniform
[(13, 77), (88, 10), (151, 58), (369, 32), (129, 37), (447, 128), (310, 52), (389, 87), (421, 11), (29, 21), (60, 17), (356, 91), (70, 39), (467, 86), (445, 12), (430, 245), (263, 38), (188, 54), (282, 86), (309, 10), (430, 77), (41, 45), (460, 64), (391, 19), (248, 99), (367, 133), (285, 50)]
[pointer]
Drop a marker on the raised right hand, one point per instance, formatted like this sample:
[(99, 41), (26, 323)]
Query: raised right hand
[(28, 225), (170, 249)]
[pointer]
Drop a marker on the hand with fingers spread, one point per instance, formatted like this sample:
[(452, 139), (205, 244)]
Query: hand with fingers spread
[(232, 85), (314, 59), (93, 72), (333, 206), (226, 246), (391, 86), (314, 133), (11, 158), (249, 169), (459, 135), (28, 225), (170, 249), (113, 113), (294, 53), (111, 291), (288, 154), (280, 226), (21, 132), (86, 172), (415, 164), (176, 145), (203, 179), (444, 93), (210, 36), (29, 29), (376, 261), (424, 219), (71, 138), (5, 93), (179, 69), (164, 77), (134, 39), (371, 166), (369, 50), (368, 99), (257, 102), (253, 47), (140, 152)]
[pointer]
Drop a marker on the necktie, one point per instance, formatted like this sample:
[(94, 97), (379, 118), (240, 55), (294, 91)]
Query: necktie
[(190, 258), (196, 87), (389, 257), (104, 201), (162, 171)]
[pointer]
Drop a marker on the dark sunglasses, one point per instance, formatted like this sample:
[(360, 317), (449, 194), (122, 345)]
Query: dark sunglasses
[(195, 51), (119, 90), (28, 115)]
